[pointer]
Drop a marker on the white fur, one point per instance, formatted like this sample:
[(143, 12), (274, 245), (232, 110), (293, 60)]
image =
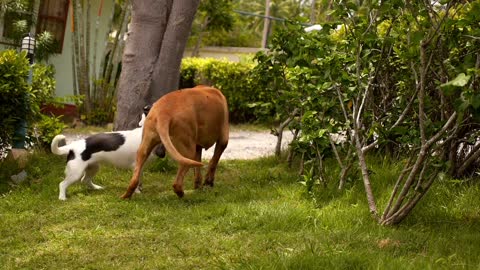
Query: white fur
[(78, 169)]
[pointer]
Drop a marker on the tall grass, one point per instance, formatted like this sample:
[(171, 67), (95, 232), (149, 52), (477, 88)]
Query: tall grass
[(257, 216)]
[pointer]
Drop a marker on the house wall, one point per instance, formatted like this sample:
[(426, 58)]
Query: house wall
[(63, 62)]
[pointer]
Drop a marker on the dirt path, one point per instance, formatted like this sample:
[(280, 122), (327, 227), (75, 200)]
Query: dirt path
[(250, 145), (242, 144)]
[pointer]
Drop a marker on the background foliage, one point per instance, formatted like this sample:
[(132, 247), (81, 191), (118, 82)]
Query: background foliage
[(394, 78)]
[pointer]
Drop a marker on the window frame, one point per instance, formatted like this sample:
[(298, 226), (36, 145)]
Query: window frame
[(63, 19)]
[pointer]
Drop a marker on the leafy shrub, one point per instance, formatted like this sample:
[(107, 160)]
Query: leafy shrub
[(14, 93), (47, 128), (19, 99), (43, 88), (233, 79)]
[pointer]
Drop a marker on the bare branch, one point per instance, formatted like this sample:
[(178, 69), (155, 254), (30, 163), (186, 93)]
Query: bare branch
[(279, 131), (334, 148), (397, 186), (424, 150), (345, 114)]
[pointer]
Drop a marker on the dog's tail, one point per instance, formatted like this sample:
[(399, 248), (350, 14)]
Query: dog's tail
[(59, 150), (165, 137)]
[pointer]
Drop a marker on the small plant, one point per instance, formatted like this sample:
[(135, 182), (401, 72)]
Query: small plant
[(46, 46), (47, 128)]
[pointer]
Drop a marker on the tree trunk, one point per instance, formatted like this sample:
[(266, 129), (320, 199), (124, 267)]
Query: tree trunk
[(117, 57), (76, 48), (203, 28), (279, 132), (313, 12), (87, 50), (33, 27), (152, 57), (95, 46), (291, 151), (266, 24), (82, 76)]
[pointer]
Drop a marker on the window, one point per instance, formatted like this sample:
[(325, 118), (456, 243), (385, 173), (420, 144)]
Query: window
[(52, 17), (17, 19)]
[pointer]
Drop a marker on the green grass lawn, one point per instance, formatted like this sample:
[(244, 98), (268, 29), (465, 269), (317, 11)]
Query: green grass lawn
[(256, 217)]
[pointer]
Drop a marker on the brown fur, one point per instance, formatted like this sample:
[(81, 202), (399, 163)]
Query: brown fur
[(185, 121)]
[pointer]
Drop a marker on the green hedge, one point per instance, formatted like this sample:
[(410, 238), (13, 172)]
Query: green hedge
[(233, 79)]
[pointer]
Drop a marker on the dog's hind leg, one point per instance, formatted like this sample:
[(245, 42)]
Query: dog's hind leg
[(73, 174), (198, 170), (212, 165), (90, 172)]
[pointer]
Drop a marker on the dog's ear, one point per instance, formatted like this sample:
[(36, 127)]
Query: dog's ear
[(146, 110)]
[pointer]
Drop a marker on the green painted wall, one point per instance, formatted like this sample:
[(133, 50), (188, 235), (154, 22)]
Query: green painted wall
[(63, 62)]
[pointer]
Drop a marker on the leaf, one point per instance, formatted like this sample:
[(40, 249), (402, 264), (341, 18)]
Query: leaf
[(460, 81)]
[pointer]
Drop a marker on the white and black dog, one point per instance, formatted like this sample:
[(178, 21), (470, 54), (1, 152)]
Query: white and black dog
[(84, 156)]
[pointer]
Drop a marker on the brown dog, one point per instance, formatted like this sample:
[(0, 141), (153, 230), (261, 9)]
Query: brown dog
[(185, 121)]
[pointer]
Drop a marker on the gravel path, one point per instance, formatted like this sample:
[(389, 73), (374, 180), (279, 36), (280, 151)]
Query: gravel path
[(242, 144), (250, 145)]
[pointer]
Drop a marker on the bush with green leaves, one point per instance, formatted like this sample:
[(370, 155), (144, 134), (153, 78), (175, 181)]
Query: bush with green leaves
[(14, 93), (43, 87), (19, 99), (46, 128), (392, 77), (233, 79)]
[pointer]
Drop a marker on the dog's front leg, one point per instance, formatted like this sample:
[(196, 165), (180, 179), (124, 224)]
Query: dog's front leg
[(212, 166), (133, 183), (143, 153)]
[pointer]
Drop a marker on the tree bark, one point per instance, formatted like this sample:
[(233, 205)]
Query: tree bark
[(266, 24), (124, 21), (313, 12), (152, 57), (279, 132)]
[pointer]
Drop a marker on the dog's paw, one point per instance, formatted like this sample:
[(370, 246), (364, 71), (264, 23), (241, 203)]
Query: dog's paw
[(208, 184), (96, 187), (62, 198), (126, 196), (180, 193)]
